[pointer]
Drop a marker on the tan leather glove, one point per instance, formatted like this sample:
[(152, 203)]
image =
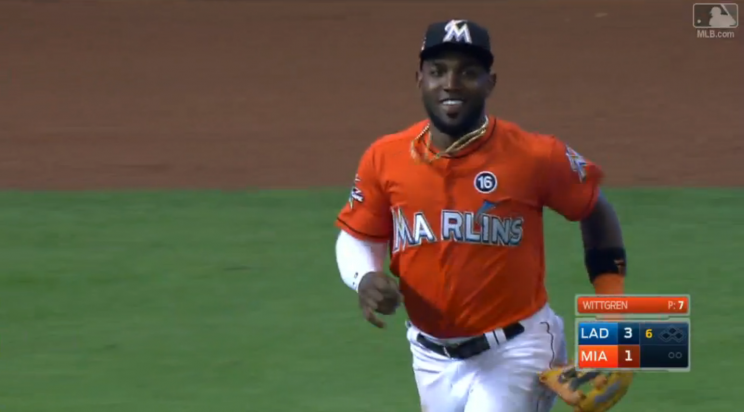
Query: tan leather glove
[(607, 388)]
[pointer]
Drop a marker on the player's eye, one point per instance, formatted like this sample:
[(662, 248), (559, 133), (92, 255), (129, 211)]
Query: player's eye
[(471, 73)]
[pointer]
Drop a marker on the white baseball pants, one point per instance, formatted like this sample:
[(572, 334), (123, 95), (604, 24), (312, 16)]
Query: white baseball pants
[(501, 379)]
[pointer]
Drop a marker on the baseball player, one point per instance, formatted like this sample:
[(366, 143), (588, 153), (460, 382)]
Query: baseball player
[(457, 202)]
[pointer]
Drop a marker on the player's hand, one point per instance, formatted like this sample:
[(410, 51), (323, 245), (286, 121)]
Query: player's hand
[(378, 293)]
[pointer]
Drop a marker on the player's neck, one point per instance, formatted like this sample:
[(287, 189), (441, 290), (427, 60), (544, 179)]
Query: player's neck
[(441, 140)]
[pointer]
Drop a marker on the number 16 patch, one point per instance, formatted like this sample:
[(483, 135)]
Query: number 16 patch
[(485, 182)]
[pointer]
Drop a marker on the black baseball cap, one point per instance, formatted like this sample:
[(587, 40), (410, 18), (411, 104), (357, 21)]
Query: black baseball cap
[(463, 35)]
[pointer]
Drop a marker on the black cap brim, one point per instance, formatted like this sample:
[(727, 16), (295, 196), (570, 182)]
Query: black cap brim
[(482, 55)]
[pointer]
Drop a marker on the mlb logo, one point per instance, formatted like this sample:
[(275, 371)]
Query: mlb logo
[(715, 15)]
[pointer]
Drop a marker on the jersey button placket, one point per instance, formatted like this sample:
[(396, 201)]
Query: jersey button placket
[(448, 182)]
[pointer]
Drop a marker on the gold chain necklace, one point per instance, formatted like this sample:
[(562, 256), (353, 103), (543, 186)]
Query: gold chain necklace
[(455, 147)]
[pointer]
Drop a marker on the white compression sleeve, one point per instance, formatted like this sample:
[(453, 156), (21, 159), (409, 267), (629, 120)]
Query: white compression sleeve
[(356, 258)]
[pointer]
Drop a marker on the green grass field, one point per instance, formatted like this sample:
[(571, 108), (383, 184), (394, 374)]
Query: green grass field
[(209, 301)]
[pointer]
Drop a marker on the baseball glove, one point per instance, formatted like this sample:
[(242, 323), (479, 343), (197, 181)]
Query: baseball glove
[(606, 388)]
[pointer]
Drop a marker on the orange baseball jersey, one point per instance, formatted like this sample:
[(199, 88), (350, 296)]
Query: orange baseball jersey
[(466, 232)]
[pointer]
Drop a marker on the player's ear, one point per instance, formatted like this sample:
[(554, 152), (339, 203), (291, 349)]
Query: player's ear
[(418, 78), (492, 78)]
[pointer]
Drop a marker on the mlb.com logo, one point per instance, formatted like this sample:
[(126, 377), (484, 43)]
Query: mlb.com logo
[(715, 20)]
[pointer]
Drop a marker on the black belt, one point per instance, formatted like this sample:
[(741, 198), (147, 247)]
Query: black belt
[(471, 347)]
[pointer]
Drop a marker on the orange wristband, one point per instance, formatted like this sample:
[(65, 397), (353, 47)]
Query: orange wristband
[(609, 284)]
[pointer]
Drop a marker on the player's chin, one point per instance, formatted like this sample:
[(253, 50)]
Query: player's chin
[(452, 114), (452, 123)]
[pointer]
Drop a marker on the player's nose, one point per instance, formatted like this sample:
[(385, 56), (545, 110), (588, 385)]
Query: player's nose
[(452, 81)]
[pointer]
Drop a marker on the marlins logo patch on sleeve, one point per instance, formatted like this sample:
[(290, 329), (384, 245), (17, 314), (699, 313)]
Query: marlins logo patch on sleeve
[(356, 193), (578, 163)]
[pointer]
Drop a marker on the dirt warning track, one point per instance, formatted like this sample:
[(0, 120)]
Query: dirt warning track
[(147, 94)]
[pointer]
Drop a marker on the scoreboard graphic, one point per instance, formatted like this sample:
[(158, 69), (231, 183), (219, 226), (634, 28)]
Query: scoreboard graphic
[(633, 332)]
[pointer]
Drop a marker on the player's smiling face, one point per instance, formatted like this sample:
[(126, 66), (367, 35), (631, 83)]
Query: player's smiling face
[(454, 88)]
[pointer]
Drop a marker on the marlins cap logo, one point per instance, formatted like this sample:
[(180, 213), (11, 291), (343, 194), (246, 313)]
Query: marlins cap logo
[(457, 31)]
